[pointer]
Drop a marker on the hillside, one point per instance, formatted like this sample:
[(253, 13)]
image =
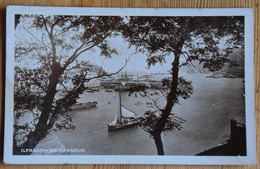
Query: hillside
[(233, 69)]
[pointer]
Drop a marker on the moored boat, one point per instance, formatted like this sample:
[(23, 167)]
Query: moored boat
[(124, 117), (86, 105), (124, 120), (108, 90), (90, 90)]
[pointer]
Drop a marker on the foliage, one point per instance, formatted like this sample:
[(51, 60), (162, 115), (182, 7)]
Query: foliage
[(158, 37), (29, 88), (48, 49), (208, 40), (184, 88), (148, 120)]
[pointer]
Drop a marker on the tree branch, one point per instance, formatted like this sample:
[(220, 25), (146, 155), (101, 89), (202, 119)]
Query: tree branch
[(106, 75), (45, 47), (64, 87), (75, 54), (51, 38), (45, 25), (35, 82), (71, 59), (65, 30), (31, 34), (52, 26), (154, 102), (60, 103)]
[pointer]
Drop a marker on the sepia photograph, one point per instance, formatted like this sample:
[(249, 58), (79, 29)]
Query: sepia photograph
[(129, 86)]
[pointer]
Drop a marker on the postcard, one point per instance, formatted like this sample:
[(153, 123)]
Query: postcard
[(129, 86)]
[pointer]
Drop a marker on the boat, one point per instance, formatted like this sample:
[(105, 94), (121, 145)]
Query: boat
[(79, 106), (123, 89), (124, 118), (108, 90), (90, 90), (96, 90), (127, 119)]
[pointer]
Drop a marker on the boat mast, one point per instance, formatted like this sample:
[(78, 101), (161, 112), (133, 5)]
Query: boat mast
[(120, 110)]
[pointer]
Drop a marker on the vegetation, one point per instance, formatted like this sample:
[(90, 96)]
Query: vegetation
[(52, 49), (208, 40)]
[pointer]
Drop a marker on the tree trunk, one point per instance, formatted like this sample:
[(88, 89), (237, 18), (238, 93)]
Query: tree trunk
[(158, 142), (42, 126), (159, 126)]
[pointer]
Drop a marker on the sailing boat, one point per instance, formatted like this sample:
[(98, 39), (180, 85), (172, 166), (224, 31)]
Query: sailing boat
[(124, 118)]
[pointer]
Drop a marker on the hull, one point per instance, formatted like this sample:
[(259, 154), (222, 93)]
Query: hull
[(84, 105), (121, 89), (119, 126)]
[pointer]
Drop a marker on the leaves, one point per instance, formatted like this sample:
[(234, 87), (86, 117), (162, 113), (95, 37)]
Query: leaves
[(106, 50), (155, 97), (47, 48), (184, 88), (150, 118), (29, 88), (158, 37), (64, 121), (193, 38)]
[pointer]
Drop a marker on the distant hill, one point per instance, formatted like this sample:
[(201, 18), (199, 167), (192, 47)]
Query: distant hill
[(97, 69), (90, 67), (233, 69)]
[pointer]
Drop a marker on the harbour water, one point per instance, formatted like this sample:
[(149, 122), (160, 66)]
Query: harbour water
[(207, 115)]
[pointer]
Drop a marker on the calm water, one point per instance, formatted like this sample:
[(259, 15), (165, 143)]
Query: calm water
[(207, 113)]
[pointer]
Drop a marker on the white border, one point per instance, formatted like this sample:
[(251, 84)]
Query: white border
[(112, 159)]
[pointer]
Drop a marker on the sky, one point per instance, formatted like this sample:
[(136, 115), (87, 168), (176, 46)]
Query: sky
[(136, 61)]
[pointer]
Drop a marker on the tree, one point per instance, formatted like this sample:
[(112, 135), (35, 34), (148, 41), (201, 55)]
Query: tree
[(53, 46), (187, 39)]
